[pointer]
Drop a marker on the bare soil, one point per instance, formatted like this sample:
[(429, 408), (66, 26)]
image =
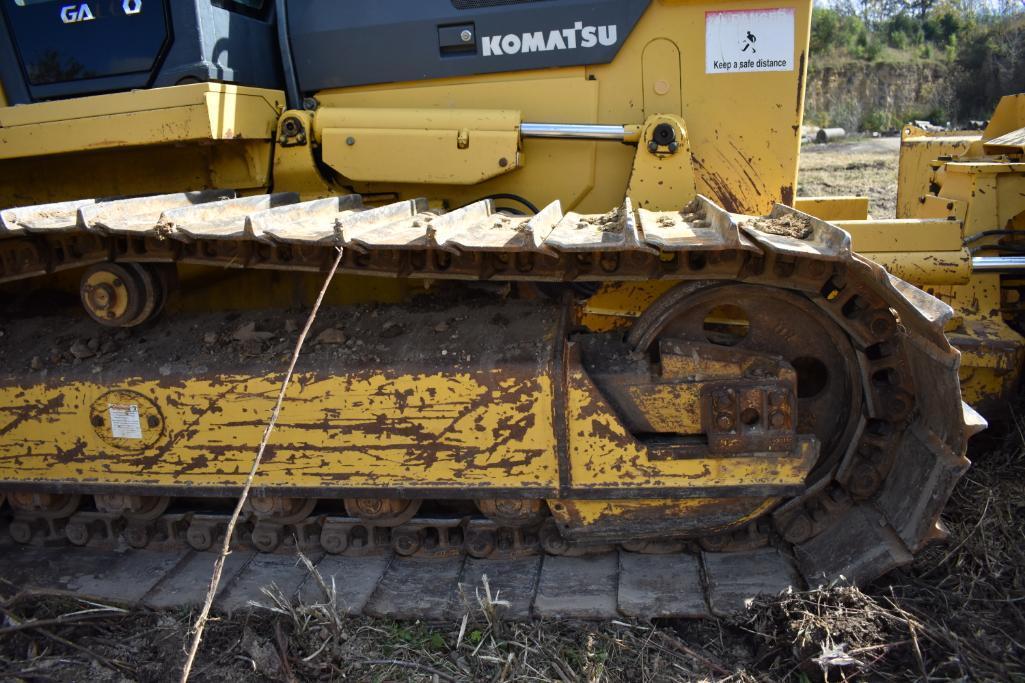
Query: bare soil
[(861, 166), (797, 227), (957, 613)]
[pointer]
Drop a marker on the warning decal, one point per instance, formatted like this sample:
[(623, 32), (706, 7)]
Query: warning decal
[(749, 40), (124, 421)]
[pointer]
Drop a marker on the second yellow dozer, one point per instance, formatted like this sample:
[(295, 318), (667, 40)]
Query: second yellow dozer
[(580, 316)]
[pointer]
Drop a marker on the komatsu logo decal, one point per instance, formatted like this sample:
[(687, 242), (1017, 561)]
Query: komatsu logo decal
[(579, 36)]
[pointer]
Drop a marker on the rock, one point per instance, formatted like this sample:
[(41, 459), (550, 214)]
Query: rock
[(331, 335), (252, 347), (263, 654), (248, 332), (209, 338), (391, 329), (81, 350), (441, 327), (93, 344), (291, 326), (36, 363)]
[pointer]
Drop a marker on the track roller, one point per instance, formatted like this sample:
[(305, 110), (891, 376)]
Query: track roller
[(267, 536), (382, 511), (512, 512), (137, 508), (123, 294), (44, 505), (281, 509)]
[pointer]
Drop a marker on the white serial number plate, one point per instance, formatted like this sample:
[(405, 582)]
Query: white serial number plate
[(124, 421)]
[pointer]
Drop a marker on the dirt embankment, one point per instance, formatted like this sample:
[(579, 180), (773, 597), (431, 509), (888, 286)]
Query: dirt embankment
[(865, 95)]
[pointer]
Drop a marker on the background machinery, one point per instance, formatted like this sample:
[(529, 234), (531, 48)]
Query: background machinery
[(580, 309)]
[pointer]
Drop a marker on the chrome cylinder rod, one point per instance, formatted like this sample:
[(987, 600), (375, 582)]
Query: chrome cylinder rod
[(572, 131), (998, 264)]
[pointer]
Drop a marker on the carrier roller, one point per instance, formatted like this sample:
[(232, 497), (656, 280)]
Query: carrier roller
[(783, 411)]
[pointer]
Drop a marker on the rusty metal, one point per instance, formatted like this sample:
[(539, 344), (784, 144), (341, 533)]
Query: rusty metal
[(281, 509), (779, 324), (122, 294), (850, 335), (267, 536), (45, 505), (385, 512), (136, 508), (513, 512), (741, 417)]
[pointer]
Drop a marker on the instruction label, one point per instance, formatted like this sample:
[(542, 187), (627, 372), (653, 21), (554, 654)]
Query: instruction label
[(124, 421), (749, 40)]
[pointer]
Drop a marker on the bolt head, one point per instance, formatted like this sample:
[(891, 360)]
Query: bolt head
[(724, 422), (777, 420), (466, 36), (350, 141)]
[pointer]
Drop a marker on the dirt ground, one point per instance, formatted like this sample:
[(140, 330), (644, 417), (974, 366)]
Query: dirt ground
[(858, 166), (957, 613)]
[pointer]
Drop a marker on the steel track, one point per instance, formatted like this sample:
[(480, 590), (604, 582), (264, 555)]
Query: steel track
[(872, 509)]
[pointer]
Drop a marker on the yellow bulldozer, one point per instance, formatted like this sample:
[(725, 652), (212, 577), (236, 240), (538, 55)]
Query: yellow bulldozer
[(580, 314)]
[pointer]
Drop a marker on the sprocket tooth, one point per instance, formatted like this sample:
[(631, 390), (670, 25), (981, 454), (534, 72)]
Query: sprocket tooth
[(918, 310), (859, 545)]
